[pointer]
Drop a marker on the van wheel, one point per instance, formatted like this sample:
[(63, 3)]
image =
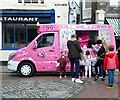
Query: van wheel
[(26, 69)]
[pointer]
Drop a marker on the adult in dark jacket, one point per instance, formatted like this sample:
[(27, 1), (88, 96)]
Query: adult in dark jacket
[(74, 51), (99, 64)]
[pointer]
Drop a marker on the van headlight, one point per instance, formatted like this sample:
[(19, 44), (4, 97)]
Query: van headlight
[(11, 56)]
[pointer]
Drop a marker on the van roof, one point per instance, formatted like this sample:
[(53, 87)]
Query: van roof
[(56, 27)]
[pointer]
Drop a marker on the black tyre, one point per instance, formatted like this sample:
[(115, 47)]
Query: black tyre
[(26, 69)]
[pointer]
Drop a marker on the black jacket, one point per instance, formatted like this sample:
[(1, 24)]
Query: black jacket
[(74, 49), (101, 52)]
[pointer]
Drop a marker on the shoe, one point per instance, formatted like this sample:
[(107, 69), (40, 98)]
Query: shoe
[(96, 78), (73, 79), (89, 76), (80, 76), (100, 77), (78, 81), (65, 76), (83, 77), (109, 86), (103, 79), (60, 77)]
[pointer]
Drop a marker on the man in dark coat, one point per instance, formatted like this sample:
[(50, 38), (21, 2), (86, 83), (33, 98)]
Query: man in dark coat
[(74, 51), (99, 63)]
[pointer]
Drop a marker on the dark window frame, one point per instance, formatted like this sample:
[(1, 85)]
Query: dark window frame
[(45, 43), (19, 1), (42, 1), (15, 36), (31, 1)]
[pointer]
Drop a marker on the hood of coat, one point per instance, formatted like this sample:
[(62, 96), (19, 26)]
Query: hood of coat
[(110, 54)]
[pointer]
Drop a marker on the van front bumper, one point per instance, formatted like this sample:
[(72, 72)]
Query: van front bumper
[(12, 65)]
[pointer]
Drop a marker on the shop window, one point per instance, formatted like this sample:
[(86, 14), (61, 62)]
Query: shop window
[(19, 1), (8, 36), (45, 40), (42, 1), (17, 36), (86, 4), (27, 1), (34, 1), (30, 1), (20, 36), (32, 32)]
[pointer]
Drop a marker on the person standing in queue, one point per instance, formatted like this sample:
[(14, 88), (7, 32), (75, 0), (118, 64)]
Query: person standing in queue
[(110, 64), (74, 51), (99, 64), (62, 64)]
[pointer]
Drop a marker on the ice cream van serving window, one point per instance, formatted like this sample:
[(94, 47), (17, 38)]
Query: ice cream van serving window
[(45, 40)]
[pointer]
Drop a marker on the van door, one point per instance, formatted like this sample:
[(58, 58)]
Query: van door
[(46, 52)]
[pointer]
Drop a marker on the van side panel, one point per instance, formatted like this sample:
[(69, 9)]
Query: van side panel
[(47, 56)]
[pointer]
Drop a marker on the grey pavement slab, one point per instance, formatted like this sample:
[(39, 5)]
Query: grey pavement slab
[(40, 89), (4, 69)]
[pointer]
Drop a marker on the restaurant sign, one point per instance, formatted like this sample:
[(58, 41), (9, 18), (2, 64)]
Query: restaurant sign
[(19, 19)]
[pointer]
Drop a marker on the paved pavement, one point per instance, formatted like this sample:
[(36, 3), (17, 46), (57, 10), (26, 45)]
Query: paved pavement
[(98, 89), (53, 87), (40, 89), (3, 69), (37, 86)]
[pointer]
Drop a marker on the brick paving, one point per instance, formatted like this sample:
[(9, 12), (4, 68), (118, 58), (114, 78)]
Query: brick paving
[(98, 89), (90, 88), (40, 89), (53, 87)]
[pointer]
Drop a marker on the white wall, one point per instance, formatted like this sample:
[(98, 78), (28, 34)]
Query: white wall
[(7, 4), (61, 11), (114, 3), (61, 15)]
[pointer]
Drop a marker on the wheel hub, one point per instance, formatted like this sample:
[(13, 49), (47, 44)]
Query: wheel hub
[(25, 70)]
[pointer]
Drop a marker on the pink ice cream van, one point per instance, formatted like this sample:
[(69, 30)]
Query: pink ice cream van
[(43, 52)]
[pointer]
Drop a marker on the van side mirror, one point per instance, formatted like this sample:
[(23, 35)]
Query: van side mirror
[(35, 45)]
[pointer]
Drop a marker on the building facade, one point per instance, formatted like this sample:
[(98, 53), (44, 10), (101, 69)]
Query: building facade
[(18, 21), (111, 16)]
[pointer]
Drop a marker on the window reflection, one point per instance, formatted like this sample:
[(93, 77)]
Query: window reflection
[(18, 35), (45, 40), (8, 36)]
